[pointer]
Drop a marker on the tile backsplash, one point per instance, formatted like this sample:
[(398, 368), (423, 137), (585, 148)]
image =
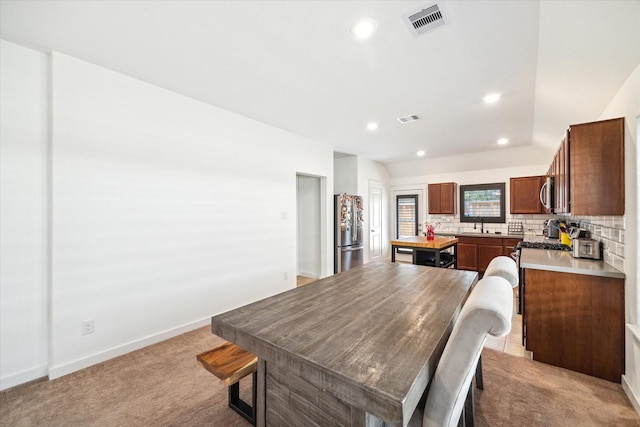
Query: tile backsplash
[(531, 224), (609, 230)]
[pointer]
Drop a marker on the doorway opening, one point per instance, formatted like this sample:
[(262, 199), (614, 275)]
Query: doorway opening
[(311, 227)]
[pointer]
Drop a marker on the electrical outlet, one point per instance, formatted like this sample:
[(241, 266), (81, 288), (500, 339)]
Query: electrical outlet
[(88, 327)]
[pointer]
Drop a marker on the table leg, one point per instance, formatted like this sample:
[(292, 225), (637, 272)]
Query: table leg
[(260, 410)]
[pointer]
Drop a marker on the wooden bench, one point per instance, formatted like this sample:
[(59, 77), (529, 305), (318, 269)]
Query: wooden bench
[(231, 363)]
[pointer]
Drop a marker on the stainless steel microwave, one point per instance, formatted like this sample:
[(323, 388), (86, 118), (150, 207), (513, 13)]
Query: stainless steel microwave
[(546, 194)]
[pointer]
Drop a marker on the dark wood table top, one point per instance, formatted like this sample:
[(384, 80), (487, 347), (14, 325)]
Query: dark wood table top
[(377, 331)]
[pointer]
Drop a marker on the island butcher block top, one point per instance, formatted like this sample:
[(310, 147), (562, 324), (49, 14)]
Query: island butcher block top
[(439, 242), (367, 339)]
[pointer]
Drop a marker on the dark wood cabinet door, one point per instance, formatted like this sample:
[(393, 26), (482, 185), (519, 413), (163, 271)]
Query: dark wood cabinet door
[(488, 252), (576, 322), (448, 198), (561, 177), (509, 245), (434, 198), (596, 168), (442, 198), (525, 195), (467, 256)]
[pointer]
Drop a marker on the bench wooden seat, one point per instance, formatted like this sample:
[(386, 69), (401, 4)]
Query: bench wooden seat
[(231, 363)]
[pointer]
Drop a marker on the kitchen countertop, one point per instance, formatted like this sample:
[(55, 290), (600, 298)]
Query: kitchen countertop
[(564, 262), (478, 234)]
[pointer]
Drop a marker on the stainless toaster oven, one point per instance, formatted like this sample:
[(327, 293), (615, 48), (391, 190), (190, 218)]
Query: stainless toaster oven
[(586, 248)]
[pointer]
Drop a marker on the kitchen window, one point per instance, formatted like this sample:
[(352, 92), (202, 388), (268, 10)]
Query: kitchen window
[(482, 203)]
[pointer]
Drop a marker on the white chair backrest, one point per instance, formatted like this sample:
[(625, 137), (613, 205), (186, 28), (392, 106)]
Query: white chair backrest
[(505, 267), (488, 310)]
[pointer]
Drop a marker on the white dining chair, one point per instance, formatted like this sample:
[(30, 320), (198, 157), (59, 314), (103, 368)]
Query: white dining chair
[(505, 267), (488, 310)]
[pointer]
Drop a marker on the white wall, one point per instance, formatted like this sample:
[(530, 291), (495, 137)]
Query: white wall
[(345, 176), (164, 211), (23, 214), (627, 104)]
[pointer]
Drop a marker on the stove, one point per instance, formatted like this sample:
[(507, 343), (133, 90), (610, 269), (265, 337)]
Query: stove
[(543, 245)]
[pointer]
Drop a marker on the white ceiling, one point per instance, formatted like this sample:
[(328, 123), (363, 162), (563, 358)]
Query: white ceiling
[(295, 65)]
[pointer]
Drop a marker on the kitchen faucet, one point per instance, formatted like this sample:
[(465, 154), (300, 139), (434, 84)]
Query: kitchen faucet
[(481, 224)]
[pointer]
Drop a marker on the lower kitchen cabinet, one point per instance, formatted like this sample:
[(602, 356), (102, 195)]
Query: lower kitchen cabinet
[(575, 321), (475, 253), (509, 245), (467, 256)]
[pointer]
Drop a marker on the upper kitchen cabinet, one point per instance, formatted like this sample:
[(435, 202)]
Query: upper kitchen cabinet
[(442, 198), (596, 168), (560, 171), (588, 169), (524, 195)]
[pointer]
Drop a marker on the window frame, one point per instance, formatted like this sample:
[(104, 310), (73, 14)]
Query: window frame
[(480, 187)]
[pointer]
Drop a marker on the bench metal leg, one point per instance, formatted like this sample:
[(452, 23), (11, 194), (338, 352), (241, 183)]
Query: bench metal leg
[(248, 412)]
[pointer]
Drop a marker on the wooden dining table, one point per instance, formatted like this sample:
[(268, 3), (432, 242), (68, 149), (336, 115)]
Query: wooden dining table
[(354, 349)]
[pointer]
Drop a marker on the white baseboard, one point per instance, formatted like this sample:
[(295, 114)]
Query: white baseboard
[(85, 362), (635, 401), (23, 377), (309, 274)]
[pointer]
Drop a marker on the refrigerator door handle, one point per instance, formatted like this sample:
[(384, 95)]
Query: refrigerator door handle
[(354, 223)]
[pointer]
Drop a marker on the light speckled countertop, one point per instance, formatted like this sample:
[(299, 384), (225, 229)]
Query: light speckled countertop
[(564, 262)]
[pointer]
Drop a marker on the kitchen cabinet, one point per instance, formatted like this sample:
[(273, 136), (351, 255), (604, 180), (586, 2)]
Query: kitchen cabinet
[(575, 321), (524, 195), (475, 253), (596, 170), (509, 245), (561, 177), (588, 169), (442, 198), (467, 255)]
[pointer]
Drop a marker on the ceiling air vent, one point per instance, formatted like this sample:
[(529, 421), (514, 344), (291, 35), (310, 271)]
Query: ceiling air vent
[(407, 119), (425, 20)]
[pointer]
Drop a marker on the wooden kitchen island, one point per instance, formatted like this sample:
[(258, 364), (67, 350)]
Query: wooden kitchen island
[(436, 248), (353, 349)]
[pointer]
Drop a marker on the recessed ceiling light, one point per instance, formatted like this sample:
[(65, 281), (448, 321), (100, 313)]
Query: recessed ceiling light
[(372, 126), (421, 153), (491, 98), (364, 28), (503, 141)]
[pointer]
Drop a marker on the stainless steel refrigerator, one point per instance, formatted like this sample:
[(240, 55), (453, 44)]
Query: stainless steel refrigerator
[(348, 238)]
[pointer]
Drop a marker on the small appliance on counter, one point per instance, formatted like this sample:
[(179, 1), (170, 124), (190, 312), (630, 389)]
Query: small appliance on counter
[(586, 248), (578, 233), (551, 229)]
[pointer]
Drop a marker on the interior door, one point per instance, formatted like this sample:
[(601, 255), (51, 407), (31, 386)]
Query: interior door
[(375, 221)]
